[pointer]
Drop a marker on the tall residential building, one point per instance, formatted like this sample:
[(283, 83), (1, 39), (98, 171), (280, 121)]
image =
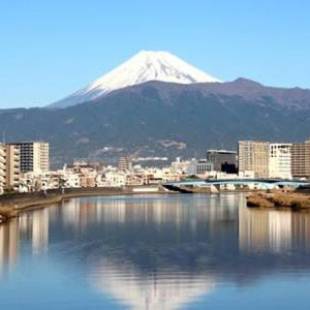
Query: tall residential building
[(222, 160), (300, 160), (12, 166), (9, 166), (124, 163), (2, 168), (254, 156), (280, 160), (34, 156), (307, 158)]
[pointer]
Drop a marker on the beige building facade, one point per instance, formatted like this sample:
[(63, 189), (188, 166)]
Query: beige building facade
[(9, 166), (301, 160), (34, 156), (254, 156), (2, 168)]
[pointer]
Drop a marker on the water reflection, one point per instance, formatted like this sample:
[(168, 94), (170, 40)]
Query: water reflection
[(154, 252), (160, 290), (9, 245), (273, 231), (35, 225)]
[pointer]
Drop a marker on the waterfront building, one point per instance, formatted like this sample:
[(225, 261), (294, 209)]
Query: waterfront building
[(199, 167), (2, 168), (115, 179), (72, 180), (301, 160), (203, 167), (280, 160), (34, 156), (9, 167), (223, 160), (254, 156), (307, 158), (180, 167), (298, 162), (12, 166), (124, 163)]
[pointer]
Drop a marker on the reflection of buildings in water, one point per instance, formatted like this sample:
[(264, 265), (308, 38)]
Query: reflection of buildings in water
[(40, 226), (24, 223), (80, 213), (264, 230), (280, 230), (29, 225), (162, 290), (301, 230), (157, 210), (70, 212), (9, 244), (272, 230), (224, 207), (253, 229)]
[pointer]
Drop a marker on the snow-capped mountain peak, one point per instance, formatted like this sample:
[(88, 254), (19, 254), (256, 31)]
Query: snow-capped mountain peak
[(143, 67)]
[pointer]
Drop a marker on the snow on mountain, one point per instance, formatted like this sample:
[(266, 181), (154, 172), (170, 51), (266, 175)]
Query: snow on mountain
[(143, 67)]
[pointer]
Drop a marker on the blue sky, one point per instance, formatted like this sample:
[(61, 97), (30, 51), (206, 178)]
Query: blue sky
[(49, 49)]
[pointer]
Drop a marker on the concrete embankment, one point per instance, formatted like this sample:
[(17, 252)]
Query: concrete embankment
[(279, 200), (14, 203)]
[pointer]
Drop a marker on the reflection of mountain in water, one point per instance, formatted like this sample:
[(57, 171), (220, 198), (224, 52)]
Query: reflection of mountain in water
[(160, 290), (163, 251)]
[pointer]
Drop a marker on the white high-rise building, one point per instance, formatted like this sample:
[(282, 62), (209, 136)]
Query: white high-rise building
[(34, 156), (280, 160)]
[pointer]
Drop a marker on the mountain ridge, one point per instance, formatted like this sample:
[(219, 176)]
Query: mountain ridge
[(143, 67), (164, 119)]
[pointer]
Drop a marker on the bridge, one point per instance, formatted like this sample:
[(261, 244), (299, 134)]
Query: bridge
[(232, 184)]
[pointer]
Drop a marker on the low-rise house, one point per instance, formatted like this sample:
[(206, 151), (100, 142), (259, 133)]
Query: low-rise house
[(114, 179), (134, 180), (71, 180)]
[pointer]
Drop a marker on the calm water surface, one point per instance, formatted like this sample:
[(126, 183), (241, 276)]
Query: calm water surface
[(156, 252)]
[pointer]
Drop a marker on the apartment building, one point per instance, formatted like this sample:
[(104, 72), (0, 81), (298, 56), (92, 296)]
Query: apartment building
[(124, 163), (9, 166), (301, 160), (34, 156), (280, 158), (2, 168), (254, 156)]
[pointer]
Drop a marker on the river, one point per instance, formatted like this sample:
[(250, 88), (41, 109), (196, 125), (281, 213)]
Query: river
[(156, 252)]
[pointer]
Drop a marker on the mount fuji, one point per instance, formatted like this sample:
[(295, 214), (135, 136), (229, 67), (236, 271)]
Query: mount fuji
[(143, 67), (157, 105)]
